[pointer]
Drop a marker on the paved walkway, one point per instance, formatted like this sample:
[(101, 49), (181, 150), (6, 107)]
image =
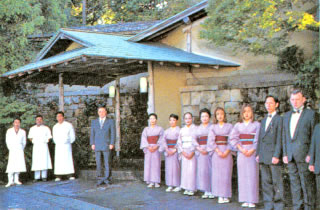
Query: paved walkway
[(80, 194)]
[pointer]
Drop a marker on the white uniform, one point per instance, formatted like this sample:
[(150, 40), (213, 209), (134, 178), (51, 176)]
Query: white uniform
[(16, 143), (41, 160), (63, 137)]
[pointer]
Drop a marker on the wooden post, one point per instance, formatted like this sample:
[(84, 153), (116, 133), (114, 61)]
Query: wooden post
[(61, 93), (84, 15), (151, 105), (118, 132)]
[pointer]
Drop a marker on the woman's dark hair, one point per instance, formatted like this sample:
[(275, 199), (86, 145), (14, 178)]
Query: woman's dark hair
[(153, 114), (215, 121), (186, 114), (174, 116), (205, 110)]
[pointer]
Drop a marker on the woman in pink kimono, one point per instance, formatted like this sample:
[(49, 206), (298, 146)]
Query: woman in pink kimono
[(244, 137), (169, 146), (150, 142), (202, 155), (222, 163), (186, 148)]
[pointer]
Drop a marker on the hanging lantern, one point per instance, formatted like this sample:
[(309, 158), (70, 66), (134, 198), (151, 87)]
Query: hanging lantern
[(143, 85), (112, 91)]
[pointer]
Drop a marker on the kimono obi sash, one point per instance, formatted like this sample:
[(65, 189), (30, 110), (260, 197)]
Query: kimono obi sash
[(152, 139), (202, 140), (246, 139), (171, 143), (221, 140), (186, 142)]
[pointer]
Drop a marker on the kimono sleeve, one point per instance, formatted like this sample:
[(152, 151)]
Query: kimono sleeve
[(234, 137), (144, 142), (163, 143), (256, 137), (179, 142), (161, 133), (211, 145)]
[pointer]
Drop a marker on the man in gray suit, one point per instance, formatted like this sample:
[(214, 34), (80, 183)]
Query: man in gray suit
[(298, 126), (102, 141), (268, 155)]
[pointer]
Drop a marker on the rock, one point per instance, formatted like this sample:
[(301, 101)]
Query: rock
[(207, 97), (185, 98), (235, 95), (195, 98), (222, 95), (232, 107)]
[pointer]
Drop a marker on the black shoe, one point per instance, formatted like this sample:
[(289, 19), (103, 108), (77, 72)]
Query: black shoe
[(99, 183)]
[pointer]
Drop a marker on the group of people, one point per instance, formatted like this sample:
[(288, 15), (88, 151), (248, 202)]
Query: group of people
[(102, 139), (201, 157), (63, 136)]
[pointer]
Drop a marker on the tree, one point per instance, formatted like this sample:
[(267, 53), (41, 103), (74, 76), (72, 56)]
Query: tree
[(265, 27), (113, 11), (258, 26)]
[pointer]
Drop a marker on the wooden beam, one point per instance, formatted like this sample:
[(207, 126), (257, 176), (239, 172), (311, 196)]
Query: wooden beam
[(151, 99), (118, 117), (61, 93)]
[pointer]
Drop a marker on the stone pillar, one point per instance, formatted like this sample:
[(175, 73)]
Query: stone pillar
[(151, 100), (61, 93), (118, 118)]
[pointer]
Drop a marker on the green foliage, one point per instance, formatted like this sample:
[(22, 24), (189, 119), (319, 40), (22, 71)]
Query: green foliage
[(20, 18), (107, 12), (259, 26), (10, 108), (291, 59)]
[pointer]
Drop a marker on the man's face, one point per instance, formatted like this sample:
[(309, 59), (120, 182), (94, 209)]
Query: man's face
[(60, 118), (271, 105), (16, 124), (102, 112), (39, 121), (297, 100)]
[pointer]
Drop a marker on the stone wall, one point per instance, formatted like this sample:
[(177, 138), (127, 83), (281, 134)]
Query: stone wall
[(81, 108), (194, 98)]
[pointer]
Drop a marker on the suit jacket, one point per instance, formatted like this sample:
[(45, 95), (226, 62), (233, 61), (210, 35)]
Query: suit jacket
[(270, 140), (315, 150), (298, 147), (102, 137)]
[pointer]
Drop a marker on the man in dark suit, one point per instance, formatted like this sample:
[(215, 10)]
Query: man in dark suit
[(268, 155), (314, 164), (102, 141), (298, 126)]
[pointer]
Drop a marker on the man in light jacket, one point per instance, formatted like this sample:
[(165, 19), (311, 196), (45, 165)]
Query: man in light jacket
[(63, 137)]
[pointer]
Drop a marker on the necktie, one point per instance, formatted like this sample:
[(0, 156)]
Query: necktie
[(296, 111), (101, 123)]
